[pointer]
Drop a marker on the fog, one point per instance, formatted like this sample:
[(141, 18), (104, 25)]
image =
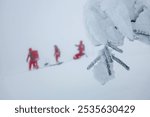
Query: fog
[(42, 23)]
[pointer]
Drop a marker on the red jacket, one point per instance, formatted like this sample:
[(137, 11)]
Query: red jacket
[(57, 51), (33, 55), (81, 47)]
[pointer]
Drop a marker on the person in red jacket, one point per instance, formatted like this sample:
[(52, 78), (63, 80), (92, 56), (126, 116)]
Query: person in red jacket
[(34, 57), (56, 53), (81, 49)]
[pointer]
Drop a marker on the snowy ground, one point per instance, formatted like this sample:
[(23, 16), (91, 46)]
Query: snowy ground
[(41, 24), (72, 81)]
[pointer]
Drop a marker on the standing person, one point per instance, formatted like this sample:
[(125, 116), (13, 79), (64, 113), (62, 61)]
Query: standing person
[(81, 49), (34, 57), (56, 53)]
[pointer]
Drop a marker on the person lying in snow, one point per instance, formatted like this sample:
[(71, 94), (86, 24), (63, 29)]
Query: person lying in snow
[(81, 49)]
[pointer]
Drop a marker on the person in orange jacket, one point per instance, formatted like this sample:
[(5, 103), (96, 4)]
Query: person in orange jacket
[(81, 49), (34, 57), (56, 53)]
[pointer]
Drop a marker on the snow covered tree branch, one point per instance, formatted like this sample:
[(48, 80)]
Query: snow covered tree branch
[(108, 22)]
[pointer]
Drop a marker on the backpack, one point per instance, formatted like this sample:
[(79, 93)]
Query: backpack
[(34, 55)]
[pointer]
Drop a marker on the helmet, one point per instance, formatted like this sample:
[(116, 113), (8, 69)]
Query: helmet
[(30, 49), (55, 46)]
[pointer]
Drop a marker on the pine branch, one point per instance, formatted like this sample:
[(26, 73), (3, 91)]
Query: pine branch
[(94, 62), (108, 66), (114, 47), (139, 32), (108, 54), (120, 62)]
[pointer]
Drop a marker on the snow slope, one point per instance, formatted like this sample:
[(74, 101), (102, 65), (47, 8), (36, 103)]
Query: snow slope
[(41, 24), (72, 81)]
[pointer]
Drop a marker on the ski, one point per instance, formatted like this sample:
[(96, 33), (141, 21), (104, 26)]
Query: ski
[(56, 64), (49, 65)]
